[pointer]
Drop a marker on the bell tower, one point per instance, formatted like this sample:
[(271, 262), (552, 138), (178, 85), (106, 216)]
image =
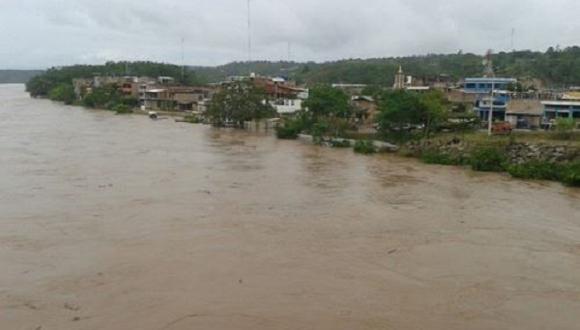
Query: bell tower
[(399, 79)]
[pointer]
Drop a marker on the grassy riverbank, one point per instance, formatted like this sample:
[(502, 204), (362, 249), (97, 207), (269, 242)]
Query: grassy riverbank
[(525, 155)]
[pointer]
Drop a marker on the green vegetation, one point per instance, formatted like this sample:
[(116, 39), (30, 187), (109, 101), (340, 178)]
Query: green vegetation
[(488, 159), (569, 174), (440, 158), (402, 113), (287, 132), (365, 147), (340, 143), (122, 109), (192, 119), (63, 93), (536, 171), (555, 67), (237, 103), (41, 85), (565, 128), (329, 112), (109, 98)]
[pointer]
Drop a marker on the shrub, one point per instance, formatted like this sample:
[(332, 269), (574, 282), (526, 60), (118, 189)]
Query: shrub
[(536, 171), (434, 157), (291, 129), (63, 93), (192, 119), (564, 128), (122, 109), (488, 159), (365, 147), (340, 143), (571, 175)]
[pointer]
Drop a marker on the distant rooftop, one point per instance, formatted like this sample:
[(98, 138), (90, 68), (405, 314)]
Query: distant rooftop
[(489, 80)]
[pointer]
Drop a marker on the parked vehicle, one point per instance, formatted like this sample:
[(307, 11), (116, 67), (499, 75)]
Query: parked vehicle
[(501, 128)]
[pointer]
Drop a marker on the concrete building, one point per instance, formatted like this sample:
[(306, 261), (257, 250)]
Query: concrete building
[(284, 96), (82, 87), (365, 110), (525, 113), (157, 99), (561, 109), (481, 88), (177, 98), (350, 89), (483, 85)]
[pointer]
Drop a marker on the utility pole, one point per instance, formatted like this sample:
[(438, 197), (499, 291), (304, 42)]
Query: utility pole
[(490, 121), (490, 73)]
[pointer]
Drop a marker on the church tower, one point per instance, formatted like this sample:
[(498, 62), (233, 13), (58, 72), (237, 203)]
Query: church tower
[(399, 79)]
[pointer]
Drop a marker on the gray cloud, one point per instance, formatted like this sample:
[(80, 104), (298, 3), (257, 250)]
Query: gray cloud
[(42, 33)]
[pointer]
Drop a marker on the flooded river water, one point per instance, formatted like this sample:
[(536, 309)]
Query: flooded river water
[(121, 222)]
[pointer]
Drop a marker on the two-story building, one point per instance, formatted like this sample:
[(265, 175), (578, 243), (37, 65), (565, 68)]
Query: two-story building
[(482, 89)]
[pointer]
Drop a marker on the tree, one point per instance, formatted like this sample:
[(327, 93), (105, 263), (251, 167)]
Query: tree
[(63, 93), (329, 111), (103, 97), (403, 111), (239, 102)]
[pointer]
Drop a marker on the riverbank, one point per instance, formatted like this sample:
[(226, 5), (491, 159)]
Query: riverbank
[(524, 155), (538, 158)]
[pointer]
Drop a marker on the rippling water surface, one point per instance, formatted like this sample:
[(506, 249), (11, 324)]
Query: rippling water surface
[(120, 222)]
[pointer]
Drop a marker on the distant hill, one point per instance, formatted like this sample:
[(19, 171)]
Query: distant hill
[(553, 68), (17, 76)]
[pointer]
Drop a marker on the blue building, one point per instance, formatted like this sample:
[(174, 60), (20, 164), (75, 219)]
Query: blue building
[(561, 109), (482, 87)]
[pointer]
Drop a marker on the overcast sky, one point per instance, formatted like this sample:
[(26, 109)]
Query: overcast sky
[(44, 33)]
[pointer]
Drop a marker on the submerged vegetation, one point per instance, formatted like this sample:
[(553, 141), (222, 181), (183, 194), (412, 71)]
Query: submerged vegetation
[(365, 147), (237, 103)]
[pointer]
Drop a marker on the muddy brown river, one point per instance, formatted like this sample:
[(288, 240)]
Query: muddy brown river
[(120, 222)]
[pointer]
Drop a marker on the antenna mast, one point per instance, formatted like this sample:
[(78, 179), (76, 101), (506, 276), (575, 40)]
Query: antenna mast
[(182, 59), (249, 31)]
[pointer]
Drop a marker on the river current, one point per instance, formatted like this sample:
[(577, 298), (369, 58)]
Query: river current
[(121, 222)]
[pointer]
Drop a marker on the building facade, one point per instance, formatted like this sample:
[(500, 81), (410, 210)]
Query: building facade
[(482, 89)]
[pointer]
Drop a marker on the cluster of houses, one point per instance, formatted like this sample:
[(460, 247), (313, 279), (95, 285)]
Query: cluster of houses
[(161, 93), (522, 109), (485, 95), (164, 94)]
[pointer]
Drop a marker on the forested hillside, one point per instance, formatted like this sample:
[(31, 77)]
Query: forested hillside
[(554, 68)]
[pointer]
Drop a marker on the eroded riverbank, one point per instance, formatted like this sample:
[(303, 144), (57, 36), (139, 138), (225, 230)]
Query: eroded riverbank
[(114, 222)]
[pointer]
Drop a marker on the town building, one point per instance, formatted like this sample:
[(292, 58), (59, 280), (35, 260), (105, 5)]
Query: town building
[(561, 109), (365, 110), (482, 88), (283, 95), (350, 89), (484, 85), (525, 113), (178, 98)]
